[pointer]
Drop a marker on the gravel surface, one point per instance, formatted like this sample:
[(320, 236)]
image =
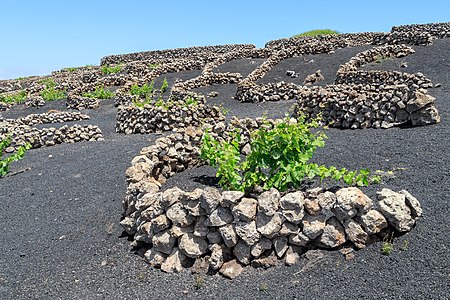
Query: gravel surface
[(61, 238)]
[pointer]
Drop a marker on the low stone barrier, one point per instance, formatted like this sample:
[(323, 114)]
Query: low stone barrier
[(229, 229), (189, 111), (191, 52), (437, 30), (375, 54), (365, 106)]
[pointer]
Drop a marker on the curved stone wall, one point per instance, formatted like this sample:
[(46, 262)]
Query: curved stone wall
[(177, 227)]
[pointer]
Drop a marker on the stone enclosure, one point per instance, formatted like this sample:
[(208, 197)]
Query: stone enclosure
[(226, 230)]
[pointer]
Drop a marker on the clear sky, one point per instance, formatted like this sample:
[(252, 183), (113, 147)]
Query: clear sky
[(39, 36)]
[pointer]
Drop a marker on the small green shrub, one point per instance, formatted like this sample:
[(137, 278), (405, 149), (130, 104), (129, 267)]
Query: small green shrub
[(164, 86), (18, 97), (107, 70), (5, 162), (387, 247), (152, 67), (278, 158), (99, 93), (147, 93), (50, 92), (144, 91), (317, 32)]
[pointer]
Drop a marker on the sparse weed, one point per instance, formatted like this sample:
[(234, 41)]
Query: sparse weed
[(153, 66), (387, 247), (198, 282), (263, 287)]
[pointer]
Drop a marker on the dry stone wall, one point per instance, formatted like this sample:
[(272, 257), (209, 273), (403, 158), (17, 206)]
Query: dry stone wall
[(190, 111), (192, 52), (230, 229), (437, 30), (21, 130)]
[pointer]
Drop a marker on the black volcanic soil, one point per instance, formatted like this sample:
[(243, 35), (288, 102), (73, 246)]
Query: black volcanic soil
[(61, 239)]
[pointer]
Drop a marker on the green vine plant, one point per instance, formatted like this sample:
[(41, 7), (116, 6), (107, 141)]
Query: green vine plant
[(6, 161), (147, 94), (99, 93), (50, 92), (279, 158)]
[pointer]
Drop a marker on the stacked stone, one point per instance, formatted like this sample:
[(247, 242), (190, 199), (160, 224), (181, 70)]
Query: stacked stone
[(23, 134), (375, 77), (231, 228), (226, 57), (409, 38), (185, 87), (437, 30), (48, 118), (80, 102), (331, 42), (371, 55), (267, 92), (178, 114), (364, 106), (192, 52)]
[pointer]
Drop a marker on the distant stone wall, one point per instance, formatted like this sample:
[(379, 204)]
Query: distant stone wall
[(437, 30), (321, 43), (175, 114), (361, 106), (192, 52), (228, 230), (378, 53)]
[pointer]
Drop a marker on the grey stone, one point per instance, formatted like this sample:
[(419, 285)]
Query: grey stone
[(171, 196), (193, 246), (160, 223), (262, 245), (200, 229), (231, 269), (281, 245), (173, 263), (242, 252), (219, 217), (292, 257), (373, 222), (351, 202), (333, 234), (210, 199), (216, 260), (269, 201), (229, 236), (394, 209), (313, 225), (214, 236), (230, 198), (247, 232), (245, 210), (356, 233), (164, 242), (292, 201), (179, 216), (154, 258), (413, 204), (269, 226), (299, 239)]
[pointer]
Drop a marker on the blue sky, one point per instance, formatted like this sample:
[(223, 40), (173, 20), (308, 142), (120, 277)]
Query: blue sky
[(39, 36)]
